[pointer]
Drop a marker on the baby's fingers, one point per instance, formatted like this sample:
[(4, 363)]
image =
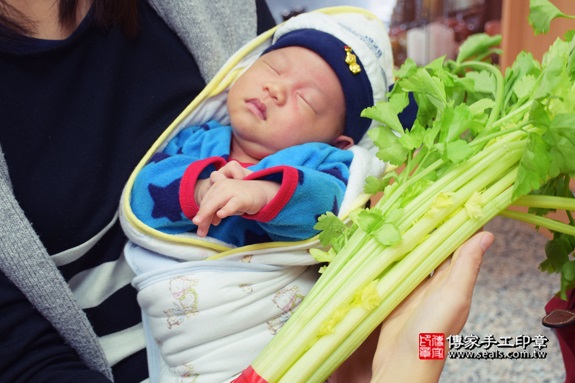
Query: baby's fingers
[(233, 170), (233, 206), (213, 201), (216, 176), (203, 225), (216, 220)]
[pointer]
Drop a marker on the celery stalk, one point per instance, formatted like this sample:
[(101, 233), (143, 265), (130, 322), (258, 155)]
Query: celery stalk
[(547, 202), (482, 141), (407, 281), (355, 276), (425, 257), (548, 223)]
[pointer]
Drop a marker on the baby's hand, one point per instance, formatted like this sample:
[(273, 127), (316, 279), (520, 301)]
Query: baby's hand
[(231, 170), (227, 197)]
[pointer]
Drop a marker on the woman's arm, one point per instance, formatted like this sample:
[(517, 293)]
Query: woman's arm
[(30, 348)]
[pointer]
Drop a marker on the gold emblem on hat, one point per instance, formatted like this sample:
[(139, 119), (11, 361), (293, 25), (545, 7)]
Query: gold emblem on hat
[(351, 60)]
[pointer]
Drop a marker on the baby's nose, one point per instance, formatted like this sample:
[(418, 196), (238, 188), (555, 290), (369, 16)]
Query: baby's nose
[(278, 92)]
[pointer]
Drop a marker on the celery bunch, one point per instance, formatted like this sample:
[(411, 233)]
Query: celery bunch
[(482, 141)]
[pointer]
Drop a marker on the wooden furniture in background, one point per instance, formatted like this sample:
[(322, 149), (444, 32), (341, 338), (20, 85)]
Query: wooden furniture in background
[(518, 35)]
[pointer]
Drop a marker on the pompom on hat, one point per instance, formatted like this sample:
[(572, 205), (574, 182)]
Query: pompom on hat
[(357, 48)]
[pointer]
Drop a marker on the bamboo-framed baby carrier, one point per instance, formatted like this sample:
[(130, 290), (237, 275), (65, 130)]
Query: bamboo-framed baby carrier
[(208, 307)]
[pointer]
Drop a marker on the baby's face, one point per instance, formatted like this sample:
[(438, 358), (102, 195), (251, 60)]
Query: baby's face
[(287, 97)]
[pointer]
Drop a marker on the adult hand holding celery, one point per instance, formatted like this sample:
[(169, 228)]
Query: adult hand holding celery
[(482, 141)]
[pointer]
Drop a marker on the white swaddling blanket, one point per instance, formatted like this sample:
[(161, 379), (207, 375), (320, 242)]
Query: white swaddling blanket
[(206, 320)]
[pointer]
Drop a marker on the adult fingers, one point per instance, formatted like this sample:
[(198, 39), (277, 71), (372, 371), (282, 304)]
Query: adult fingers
[(467, 262)]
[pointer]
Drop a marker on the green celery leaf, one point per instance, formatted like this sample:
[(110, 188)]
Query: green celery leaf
[(458, 151), (398, 100), (390, 148), (465, 83), (458, 88), (567, 278), (431, 134), (417, 188), (533, 167), (369, 220), (436, 65), (557, 251), (571, 66), (541, 13), (374, 185), (559, 48), (460, 122), (331, 228), (570, 40), (384, 113), (479, 107), (561, 139), (387, 234), (426, 111), (413, 138), (383, 229), (449, 130), (423, 83), (564, 100), (524, 65), (553, 76), (380, 227), (322, 256), (408, 68), (524, 86), (484, 82), (477, 44), (538, 115)]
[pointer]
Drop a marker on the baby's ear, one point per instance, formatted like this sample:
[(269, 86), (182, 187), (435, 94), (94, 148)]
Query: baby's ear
[(343, 142)]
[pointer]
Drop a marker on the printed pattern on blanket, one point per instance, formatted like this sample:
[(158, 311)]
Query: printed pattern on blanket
[(212, 318)]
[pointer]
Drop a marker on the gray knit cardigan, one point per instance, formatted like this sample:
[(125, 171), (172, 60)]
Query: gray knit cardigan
[(212, 30)]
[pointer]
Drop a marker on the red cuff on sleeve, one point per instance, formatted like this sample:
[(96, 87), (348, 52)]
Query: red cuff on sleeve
[(289, 181), (188, 184)]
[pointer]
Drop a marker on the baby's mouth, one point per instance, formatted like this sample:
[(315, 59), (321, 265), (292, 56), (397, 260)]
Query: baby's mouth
[(257, 107)]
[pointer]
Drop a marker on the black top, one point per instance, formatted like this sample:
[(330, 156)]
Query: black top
[(76, 117), (78, 114)]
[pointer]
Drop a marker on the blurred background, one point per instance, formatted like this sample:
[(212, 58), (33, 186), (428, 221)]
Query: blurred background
[(511, 293), (420, 29), (427, 29)]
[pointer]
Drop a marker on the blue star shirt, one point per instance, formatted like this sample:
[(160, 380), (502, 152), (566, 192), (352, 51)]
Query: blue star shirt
[(312, 178)]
